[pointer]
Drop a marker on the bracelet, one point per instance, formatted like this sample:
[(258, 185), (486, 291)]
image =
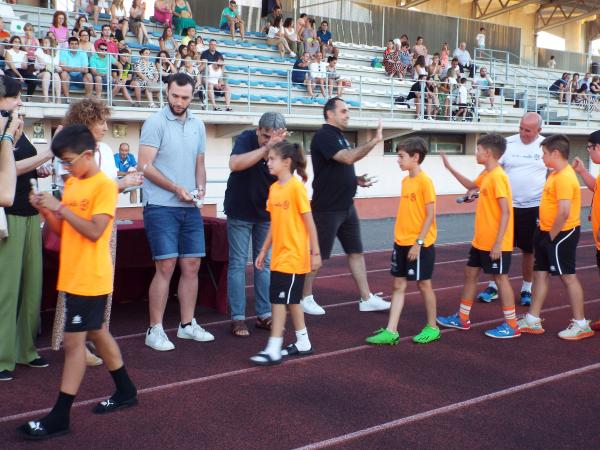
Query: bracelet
[(8, 137)]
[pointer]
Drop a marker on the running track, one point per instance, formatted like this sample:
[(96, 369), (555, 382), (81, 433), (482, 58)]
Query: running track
[(465, 391)]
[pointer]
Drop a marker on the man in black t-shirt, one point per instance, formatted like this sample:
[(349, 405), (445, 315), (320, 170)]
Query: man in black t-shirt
[(334, 187), (248, 220), (211, 55)]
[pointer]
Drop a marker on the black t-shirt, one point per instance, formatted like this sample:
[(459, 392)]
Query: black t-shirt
[(207, 55), (334, 185), (299, 72), (21, 205), (247, 190)]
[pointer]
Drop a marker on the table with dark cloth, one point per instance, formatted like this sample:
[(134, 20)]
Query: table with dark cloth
[(135, 268)]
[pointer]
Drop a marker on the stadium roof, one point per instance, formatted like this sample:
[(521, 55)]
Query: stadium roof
[(549, 13)]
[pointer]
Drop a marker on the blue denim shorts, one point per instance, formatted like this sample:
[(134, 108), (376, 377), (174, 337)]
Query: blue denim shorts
[(174, 232)]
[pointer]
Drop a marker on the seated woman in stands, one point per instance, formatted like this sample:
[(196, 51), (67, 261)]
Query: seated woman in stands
[(391, 60), (17, 65), (276, 36), (168, 43), (147, 76), (444, 55), (84, 42), (117, 11), (435, 68), (163, 12), (182, 16), (217, 86), (420, 67), (189, 34), (419, 49), (595, 92), (47, 65), (82, 24), (136, 21), (59, 28), (164, 66), (182, 52)]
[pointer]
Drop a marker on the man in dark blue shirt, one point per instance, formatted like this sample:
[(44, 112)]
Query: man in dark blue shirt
[(301, 73), (247, 218), (326, 40)]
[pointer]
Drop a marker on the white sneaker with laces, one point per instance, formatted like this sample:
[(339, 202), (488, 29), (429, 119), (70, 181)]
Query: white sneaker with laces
[(157, 339), (292, 54), (575, 332), (310, 306), (374, 303), (195, 332)]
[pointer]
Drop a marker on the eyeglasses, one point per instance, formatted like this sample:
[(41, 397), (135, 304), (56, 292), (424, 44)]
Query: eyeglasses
[(70, 163)]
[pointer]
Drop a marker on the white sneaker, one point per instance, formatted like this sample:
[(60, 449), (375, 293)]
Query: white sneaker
[(374, 303), (195, 332), (292, 54), (157, 339), (311, 307)]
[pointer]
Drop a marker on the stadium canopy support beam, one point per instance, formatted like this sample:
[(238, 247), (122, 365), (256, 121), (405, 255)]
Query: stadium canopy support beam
[(405, 4), (486, 9), (561, 13)]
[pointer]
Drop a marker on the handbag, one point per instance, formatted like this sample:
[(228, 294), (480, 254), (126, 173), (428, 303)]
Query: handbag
[(3, 225)]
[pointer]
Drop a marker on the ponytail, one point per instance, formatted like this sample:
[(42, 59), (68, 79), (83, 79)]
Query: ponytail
[(295, 152)]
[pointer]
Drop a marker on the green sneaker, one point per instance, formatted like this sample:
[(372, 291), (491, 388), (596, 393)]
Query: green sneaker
[(384, 337), (427, 335)]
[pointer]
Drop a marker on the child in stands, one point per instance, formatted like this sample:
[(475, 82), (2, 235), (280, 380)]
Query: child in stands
[(493, 240), (413, 257), (84, 222), (555, 244), (295, 250)]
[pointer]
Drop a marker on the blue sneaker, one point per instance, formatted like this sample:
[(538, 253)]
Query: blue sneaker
[(503, 331), (488, 295), (453, 321), (525, 298)]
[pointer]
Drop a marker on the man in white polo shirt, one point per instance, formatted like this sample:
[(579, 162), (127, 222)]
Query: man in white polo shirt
[(526, 171)]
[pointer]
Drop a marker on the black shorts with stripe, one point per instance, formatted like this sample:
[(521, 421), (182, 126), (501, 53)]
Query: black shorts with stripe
[(419, 269), (556, 256), (84, 313), (286, 288), (482, 259)]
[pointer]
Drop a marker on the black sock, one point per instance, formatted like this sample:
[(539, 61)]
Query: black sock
[(58, 418), (183, 325), (125, 388)]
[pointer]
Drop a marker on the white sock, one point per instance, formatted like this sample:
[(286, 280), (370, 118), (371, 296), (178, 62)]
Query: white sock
[(492, 284), (582, 323), (302, 341), (526, 286), (273, 348), (531, 319), (367, 299)]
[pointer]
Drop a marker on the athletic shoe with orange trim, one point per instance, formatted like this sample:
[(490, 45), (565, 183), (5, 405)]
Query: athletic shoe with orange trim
[(531, 328), (595, 325), (574, 332)]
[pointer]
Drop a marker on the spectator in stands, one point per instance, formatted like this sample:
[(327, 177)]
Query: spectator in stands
[(401, 40), (189, 34), (164, 66), (84, 43), (419, 49), (309, 38), (291, 36), (74, 67), (464, 58), (301, 24), (231, 20), (8, 169), (406, 66), (456, 69), (147, 76), (484, 85), (211, 55), (59, 28), (123, 81), (126, 164), (182, 52), (333, 78), (276, 36), (326, 40), (444, 96), (88, 7), (462, 100), (420, 67), (118, 13), (418, 92), (182, 16), (163, 12), (189, 67), (30, 42), (200, 45), (47, 65), (106, 38), (318, 72), (480, 38), (270, 18), (82, 24), (17, 65), (435, 68), (595, 87), (551, 64), (216, 85), (116, 30), (559, 87), (100, 67), (136, 21), (432, 101), (268, 6), (4, 35), (391, 60), (444, 55), (192, 51), (50, 35), (301, 74), (167, 42)]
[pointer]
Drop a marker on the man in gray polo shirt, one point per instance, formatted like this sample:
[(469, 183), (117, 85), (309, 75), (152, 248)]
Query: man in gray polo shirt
[(171, 155)]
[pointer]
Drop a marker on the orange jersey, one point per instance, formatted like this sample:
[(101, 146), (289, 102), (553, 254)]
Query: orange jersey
[(86, 267), (561, 185), (596, 212), (492, 186), (417, 193), (287, 203)]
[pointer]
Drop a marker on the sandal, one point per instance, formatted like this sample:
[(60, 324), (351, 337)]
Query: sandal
[(292, 350), (264, 359), (264, 324), (239, 329)]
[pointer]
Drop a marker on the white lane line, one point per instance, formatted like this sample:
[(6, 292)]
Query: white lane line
[(345, 438), (233, 373)]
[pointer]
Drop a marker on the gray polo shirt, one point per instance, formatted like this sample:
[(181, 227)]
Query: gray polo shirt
[(179, 144)]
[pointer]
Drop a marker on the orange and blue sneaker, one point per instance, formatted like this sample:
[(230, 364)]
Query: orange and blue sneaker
[(503, 331), (453, 321)]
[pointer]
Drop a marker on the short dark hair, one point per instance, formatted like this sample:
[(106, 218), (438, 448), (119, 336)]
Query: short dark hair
[(558, 142), (303, 15), (104, 26), (331, 58), (74, 139), (324, 22), (213, 40), (331, 105), (181, 79), (493, 142), (9, 87), (73, 39), (413, 145)]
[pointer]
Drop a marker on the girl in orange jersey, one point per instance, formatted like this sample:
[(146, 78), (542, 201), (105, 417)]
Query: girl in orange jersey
[(293, 236)]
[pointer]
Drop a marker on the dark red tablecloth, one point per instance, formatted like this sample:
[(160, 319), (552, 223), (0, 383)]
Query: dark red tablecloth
[(134, 267)]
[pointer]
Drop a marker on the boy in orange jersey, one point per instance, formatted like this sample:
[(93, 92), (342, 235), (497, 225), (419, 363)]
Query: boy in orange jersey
[(84, 222), (555, 244), (413, 257), (593, 147), (493, 240)]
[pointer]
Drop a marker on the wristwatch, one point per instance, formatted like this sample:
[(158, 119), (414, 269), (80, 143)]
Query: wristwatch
[(420, 241)]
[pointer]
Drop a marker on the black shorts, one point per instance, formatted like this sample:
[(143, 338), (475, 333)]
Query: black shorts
[(343, 224), (481, 258), (598, 258), (84, 313), (420, 269), (286, 288), (525, 225), (557, 256)]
